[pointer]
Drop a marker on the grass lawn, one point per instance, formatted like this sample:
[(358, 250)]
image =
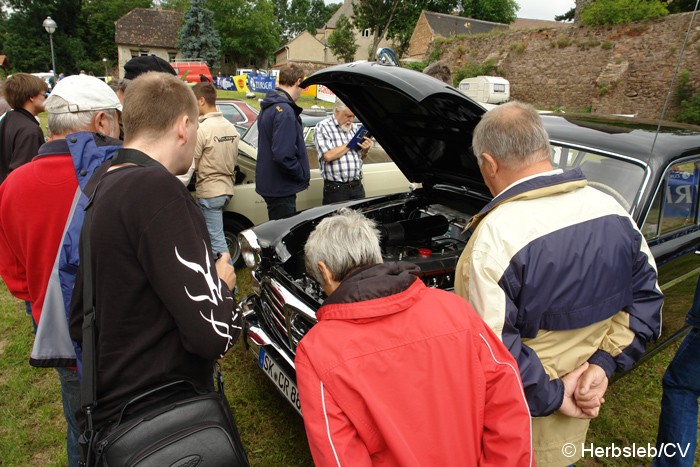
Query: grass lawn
[(31, 418), (303, 101)]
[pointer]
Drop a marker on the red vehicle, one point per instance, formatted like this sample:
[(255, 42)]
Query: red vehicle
[(237, 112), (194, 71)]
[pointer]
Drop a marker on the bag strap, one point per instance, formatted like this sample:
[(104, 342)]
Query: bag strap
[(88, 390)]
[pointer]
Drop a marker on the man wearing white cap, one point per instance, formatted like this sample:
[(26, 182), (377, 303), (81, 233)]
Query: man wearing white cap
[(41, 213)]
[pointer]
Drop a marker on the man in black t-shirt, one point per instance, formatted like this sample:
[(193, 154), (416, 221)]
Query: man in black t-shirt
[(164, 307)]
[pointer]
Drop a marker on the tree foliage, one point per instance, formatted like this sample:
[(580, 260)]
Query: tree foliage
[(680, 6), (297, 16), (497, 11), (99, 17), (249, 32), (26, 42), (342, 41), (568, 16), (603, 12), (198, 37)]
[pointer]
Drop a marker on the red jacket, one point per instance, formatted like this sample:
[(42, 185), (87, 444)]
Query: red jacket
[(396, 373)]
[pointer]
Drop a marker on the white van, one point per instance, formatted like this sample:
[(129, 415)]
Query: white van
[(486, 89)]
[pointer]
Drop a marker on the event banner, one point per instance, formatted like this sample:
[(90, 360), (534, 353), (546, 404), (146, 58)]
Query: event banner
[(261, 83), (225, 82)]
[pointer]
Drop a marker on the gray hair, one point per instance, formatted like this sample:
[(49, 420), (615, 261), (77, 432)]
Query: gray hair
[(513, 134), (71, 122), (339, 105), (344, 242)]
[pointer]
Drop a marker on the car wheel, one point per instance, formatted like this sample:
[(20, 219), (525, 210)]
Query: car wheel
[(231, 230)]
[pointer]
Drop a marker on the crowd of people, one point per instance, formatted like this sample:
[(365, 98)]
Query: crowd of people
[(554, 292)]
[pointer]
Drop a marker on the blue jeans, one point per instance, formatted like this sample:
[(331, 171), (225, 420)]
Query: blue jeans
[(213, 211), (678, 423), (279, 208), (28, 307), (70, 394)]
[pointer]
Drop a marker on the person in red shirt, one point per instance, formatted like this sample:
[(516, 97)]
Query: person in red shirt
[(41, 213), (396, 373)]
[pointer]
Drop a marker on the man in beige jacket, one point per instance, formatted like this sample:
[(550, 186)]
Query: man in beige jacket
[(214, 160)]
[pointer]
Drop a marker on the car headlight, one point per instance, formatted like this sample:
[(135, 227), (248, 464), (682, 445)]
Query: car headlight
[(250, 248)]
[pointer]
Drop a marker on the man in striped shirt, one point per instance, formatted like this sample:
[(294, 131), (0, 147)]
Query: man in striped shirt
[(341, 167)]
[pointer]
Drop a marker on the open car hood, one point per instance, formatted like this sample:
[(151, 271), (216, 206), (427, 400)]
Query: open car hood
[(424, 125)]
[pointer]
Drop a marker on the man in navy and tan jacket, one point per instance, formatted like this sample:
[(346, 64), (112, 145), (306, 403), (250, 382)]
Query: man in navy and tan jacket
[(561, 273)]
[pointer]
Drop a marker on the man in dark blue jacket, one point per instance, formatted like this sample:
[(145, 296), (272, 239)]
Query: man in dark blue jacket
[(677, 438), (282, 170)]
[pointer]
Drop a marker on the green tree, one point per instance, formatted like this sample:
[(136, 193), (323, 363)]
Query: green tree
[(342, 41), (249, 33), (99, 17), (680, 6), (498, 11), (622, 11), (26, 43), (198, 37), (568, 16), (298, 16)]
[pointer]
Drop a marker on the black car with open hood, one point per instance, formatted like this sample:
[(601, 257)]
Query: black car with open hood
[(426, 127)]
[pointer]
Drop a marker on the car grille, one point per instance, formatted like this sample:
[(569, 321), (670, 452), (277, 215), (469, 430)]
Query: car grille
[(285, 316)]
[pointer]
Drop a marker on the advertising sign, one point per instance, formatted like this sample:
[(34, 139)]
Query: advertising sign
[(324, 93)]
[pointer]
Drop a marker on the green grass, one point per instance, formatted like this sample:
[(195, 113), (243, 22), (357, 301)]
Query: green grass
[(303, 101), (31, 420)]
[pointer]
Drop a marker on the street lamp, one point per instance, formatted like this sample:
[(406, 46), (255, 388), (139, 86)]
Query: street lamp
[(50, 26), (104, 60)]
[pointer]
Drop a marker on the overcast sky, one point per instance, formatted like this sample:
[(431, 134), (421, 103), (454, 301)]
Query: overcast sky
[(537, 9)]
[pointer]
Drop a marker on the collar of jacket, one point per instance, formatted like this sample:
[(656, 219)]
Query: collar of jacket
[(210, 115), (27, 114), (88, 151), (537, 187), (379, 289), (293, 105)]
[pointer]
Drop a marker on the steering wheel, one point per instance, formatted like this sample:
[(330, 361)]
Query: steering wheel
[(608, 190)]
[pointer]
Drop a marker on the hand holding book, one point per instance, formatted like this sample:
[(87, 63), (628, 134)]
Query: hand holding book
[(359, 137)]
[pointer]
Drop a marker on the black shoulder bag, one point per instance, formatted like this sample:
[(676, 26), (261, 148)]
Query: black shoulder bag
[(195, 431)]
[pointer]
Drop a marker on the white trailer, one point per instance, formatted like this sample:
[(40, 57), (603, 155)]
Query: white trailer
[(486, 89)]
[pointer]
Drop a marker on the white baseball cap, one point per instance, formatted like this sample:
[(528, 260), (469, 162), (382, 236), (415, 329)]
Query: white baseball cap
[(84, 93)]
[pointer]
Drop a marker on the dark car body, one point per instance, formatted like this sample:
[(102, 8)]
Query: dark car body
[(426, 127)]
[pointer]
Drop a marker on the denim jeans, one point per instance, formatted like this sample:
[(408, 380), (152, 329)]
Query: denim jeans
[(70, 394), (213, 211), (279, 208), (334, 192), (28, 308), (678, 423)]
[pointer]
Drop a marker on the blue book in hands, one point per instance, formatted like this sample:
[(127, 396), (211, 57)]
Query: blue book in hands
[(359, 137)]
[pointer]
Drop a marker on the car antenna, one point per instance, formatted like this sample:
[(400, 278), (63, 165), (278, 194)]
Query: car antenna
[(673, 78)]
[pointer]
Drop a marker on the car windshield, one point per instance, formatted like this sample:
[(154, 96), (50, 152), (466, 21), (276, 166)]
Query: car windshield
[(621, 179), (251, 136)]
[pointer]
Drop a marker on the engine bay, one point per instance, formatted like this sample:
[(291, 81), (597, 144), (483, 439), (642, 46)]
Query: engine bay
[(432, 237)]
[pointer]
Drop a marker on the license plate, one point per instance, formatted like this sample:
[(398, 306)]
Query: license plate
[(284, 384)]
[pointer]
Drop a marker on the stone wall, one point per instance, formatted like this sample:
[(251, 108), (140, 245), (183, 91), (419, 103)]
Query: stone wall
[(623, 69)]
